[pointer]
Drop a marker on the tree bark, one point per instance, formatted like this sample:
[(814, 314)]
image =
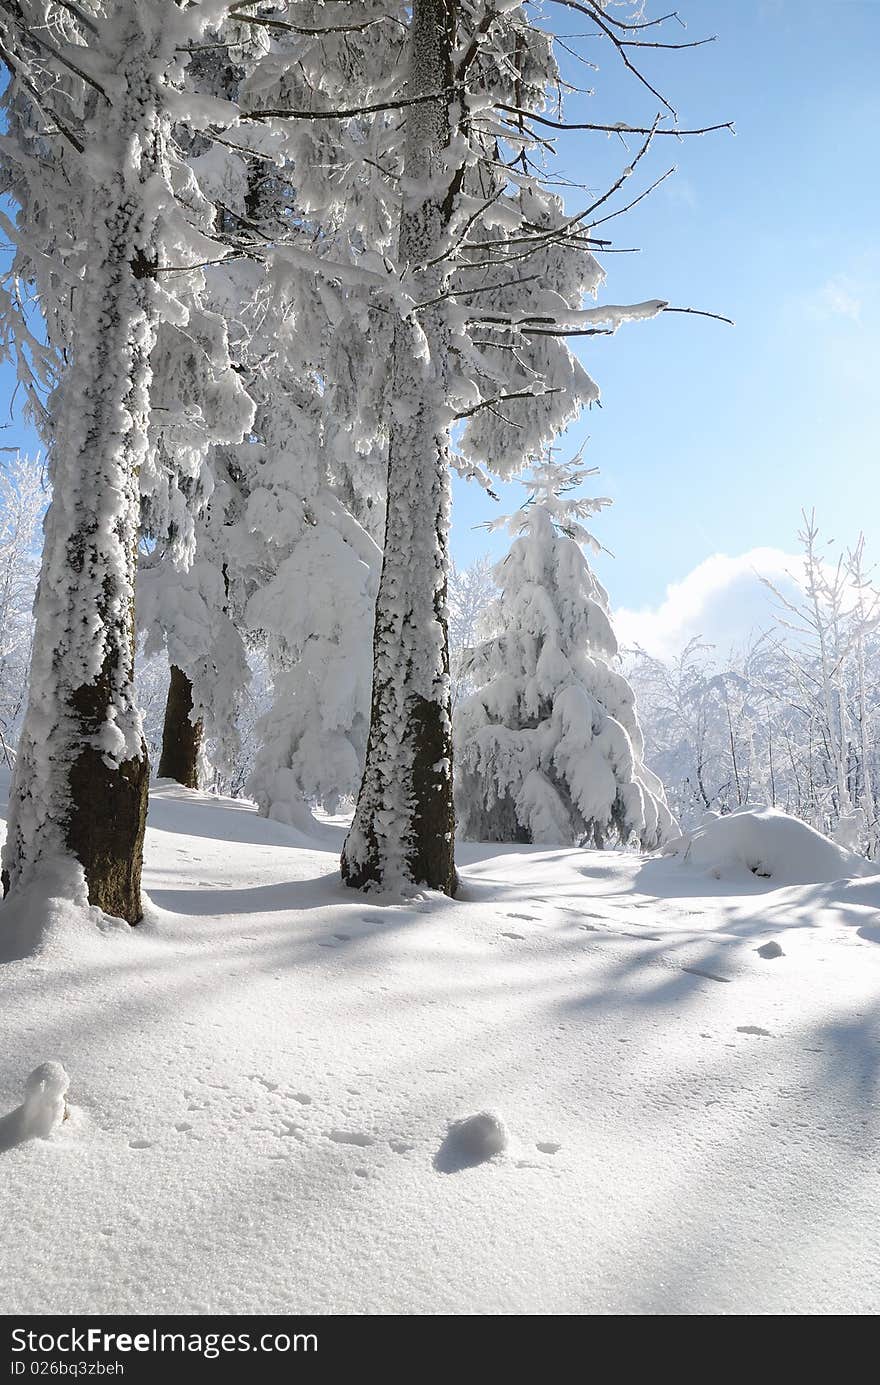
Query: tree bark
[(403, 829), (181, 736), (81, 776)]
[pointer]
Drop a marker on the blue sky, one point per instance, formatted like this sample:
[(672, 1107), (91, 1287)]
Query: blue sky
[(711, 438)]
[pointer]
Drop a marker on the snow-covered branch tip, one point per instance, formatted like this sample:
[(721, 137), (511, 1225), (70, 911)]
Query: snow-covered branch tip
[(601, 321)]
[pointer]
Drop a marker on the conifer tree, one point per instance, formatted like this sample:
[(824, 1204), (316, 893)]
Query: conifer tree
[(548, 747)]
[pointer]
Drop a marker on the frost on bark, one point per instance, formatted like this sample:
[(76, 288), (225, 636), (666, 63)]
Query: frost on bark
[(403, 828), (181, 735), (80, 783)]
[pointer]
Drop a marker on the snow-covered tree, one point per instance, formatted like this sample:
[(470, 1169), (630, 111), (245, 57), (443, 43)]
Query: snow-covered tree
[(828, 622), (402, 267), (548, 747), (790, 718), (491, 276), (302, 497), (402, 829), (112, 210)]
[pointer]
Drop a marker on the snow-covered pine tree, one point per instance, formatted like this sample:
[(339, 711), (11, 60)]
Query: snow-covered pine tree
[(548, 748), (105, 206)]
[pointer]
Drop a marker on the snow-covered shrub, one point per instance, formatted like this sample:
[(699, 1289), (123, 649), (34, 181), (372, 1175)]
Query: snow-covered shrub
[(549, 748), (770, 844)]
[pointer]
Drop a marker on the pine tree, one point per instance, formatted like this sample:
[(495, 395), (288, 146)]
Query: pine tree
[(548, 747)]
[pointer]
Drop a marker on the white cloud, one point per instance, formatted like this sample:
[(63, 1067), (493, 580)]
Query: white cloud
[(722, 601)]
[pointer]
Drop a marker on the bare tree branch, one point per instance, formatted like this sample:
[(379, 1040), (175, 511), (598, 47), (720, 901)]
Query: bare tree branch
[(620, 128)]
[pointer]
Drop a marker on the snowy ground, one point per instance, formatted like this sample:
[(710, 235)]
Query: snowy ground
[(263, 1074)]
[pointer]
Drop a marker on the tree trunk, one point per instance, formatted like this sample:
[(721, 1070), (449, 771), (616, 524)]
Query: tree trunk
[(181, 736), (403, 829), (81, 776)]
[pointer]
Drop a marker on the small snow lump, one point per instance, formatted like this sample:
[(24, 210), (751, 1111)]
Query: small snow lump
[(45, 1106)]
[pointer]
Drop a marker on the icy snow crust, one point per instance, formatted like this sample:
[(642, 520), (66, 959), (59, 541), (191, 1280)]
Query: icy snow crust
[(264, 1079)]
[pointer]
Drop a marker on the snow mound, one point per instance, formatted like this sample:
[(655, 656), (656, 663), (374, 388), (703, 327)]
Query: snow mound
[(44, 1100), (770, 844), (42, 1111), (470, 1141), (51, 917)]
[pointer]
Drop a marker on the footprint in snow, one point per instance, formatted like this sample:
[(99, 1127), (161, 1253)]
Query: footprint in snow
[(547, 1146), (527, 918), (770, 950), (471, 1141), (753, 1029), (350, 1137), (401, 1146), (518, 937)]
